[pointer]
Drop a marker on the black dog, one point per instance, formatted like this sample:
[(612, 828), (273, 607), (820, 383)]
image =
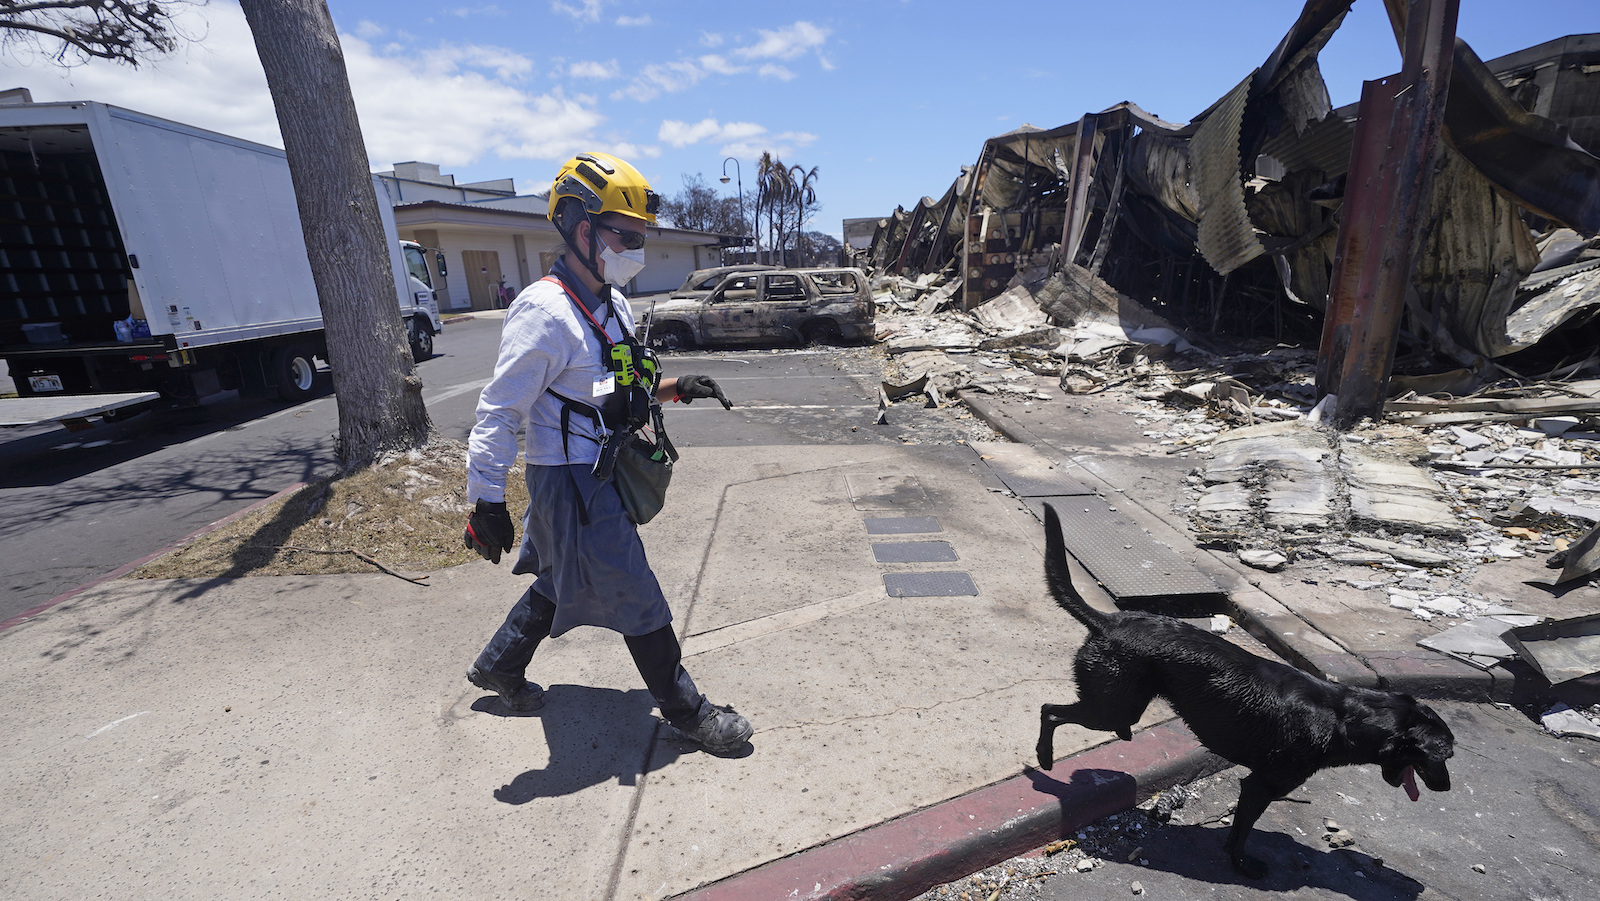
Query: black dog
[(1281, 723)]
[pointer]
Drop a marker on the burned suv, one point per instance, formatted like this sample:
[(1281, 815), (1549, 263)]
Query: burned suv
[(779, 306)]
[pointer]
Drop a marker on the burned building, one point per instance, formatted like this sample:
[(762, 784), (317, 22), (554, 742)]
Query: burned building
[(1231, 222)]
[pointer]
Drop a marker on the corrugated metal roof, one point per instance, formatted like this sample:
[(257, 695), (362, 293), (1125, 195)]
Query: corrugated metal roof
[(1227, 239), (1325, 146)]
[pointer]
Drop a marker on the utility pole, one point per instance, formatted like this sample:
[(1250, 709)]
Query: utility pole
[(743, 223)]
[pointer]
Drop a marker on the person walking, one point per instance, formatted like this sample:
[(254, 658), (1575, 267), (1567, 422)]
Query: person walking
[(556, 379)]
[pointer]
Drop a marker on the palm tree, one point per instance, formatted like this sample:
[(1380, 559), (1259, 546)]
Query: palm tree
[(774, 187), (803, 194)]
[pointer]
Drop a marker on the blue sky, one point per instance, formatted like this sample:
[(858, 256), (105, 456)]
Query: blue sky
[(888, 99)]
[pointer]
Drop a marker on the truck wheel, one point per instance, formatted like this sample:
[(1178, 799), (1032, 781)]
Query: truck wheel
[(822, 332), (421, 337), (294, 372), (672, 336)]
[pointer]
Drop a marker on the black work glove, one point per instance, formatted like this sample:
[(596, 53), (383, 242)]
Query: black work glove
[(693, 386), (489, 530)]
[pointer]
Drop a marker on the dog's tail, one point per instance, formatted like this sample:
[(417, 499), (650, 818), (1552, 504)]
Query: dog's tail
[(1059, 576)]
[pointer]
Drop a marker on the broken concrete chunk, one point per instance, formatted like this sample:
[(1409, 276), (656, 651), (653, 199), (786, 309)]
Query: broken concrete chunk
[(1404, 600), (1469, 439), (1362, 558), (1444, 605), (1564, 721), (1270, 561), (1403, 552), (1339, 839)]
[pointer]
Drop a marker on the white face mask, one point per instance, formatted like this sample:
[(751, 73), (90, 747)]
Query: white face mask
[(620, 268)]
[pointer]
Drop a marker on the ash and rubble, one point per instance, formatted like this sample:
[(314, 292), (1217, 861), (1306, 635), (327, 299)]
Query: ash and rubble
[(1413, 510)]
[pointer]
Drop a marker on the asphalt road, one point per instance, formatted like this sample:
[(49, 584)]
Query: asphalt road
[(81, 504), (1521, 821)]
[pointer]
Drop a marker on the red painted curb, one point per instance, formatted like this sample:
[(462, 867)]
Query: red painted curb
[(902, 858), (126, 568)]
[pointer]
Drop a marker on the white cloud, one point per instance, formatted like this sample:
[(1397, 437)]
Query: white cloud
[(773, 70), (634, 21), (596, 70), (785, 43), (583, 11), (368, 29), (745, 140), (710, 39), (782, 144), (449, 105), (662, 78), (682, 134), (508, 65), (719, 65)]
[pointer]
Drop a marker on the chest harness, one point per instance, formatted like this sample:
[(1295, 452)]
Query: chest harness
[(631, 406)]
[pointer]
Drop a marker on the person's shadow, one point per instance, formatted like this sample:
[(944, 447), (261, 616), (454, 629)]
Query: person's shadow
[(595, 735)]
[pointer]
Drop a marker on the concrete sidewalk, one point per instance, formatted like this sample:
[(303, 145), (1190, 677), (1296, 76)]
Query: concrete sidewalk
[(315, 737)]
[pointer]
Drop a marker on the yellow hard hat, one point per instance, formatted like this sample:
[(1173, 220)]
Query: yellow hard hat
[(605, 184)]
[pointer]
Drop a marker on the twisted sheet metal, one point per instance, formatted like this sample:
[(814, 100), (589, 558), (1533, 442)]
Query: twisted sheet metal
[(1227, 239)]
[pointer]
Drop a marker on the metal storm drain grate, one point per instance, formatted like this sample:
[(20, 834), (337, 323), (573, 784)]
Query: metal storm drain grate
[(913, 552), (929, 585), (902, 525)]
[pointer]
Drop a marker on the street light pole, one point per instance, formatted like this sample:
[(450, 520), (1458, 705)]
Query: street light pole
[(743, 223)]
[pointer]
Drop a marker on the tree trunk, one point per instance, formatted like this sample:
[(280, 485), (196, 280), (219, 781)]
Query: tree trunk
[(379, 392)]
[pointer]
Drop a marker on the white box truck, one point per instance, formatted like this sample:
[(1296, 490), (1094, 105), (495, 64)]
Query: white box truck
[(158, 262)]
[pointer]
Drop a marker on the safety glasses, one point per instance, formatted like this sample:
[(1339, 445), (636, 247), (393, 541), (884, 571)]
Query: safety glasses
[(630, 240)]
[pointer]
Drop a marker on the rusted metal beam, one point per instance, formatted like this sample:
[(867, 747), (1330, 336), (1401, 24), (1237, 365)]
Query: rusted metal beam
[(911, 237), (1386, 193), (1078, 189), (972, 257)]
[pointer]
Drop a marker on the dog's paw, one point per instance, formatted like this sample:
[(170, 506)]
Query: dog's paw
[(1047, 756), (1249, 867)]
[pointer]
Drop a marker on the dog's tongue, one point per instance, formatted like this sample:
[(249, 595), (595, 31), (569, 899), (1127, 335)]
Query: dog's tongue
[(1410, 784)]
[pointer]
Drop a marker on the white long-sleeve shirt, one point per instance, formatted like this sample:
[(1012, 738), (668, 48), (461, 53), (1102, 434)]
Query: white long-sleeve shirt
[(546, 343)]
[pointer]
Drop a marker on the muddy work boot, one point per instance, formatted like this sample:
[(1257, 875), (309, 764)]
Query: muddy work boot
[(721, 732), (515, 692)]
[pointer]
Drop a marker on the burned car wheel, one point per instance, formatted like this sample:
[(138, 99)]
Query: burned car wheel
[(669, 336), (823, 332)]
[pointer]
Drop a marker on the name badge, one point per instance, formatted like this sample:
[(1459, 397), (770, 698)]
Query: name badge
[(607, 384)]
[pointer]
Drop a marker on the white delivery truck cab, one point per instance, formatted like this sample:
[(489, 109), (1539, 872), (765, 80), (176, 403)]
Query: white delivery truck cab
[(148, 259)]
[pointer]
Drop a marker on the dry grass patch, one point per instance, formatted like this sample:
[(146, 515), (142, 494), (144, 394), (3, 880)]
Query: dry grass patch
[(404, 513)]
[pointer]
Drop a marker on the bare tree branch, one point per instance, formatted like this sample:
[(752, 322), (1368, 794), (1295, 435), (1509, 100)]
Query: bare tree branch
[(72, 32)]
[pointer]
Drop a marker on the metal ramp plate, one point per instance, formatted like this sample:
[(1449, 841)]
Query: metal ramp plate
[(902, 525), (1027, 472), (1136, 570), (913, 552), (929, 585)]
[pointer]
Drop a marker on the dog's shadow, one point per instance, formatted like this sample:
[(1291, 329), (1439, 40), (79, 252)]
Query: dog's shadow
[(1194, 851), (594, 736)]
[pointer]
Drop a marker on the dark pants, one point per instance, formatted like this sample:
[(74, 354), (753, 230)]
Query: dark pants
[(656, 654)]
